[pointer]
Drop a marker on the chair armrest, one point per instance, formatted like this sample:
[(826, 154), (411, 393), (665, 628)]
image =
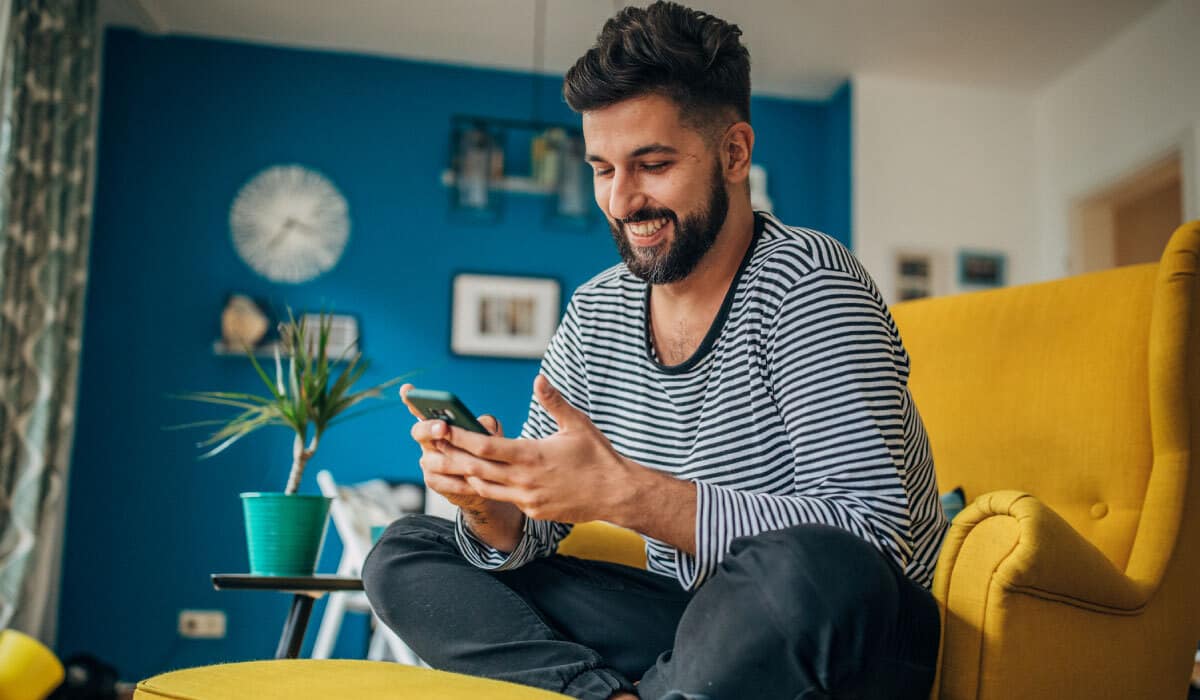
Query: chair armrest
[(1015, 540)]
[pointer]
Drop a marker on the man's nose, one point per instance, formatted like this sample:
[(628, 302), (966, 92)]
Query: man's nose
[(625, 196)]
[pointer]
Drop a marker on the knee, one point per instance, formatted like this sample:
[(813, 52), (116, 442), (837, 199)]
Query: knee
[(818, 571), (401, 545)]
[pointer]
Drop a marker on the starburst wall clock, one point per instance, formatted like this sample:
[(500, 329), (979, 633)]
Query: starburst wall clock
[(290, 224)]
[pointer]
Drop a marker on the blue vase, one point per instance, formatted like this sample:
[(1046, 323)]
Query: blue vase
[(284, 532)]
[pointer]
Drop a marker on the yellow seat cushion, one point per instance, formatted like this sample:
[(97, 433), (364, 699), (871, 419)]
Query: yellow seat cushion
[(297, 679), (605, 542)]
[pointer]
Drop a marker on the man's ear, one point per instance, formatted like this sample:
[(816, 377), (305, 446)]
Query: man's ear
[(737, 147)]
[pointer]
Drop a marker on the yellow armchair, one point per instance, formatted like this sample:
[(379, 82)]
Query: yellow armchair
[(1065, 410), (28, 670)]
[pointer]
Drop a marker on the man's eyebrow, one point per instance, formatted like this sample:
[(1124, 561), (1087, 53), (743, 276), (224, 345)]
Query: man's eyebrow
[(653, 148), (637, 152)]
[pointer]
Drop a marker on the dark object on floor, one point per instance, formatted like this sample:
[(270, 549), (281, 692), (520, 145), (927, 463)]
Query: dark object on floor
[(88, 678)]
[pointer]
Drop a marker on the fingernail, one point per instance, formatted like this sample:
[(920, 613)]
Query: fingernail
[(438, 429)]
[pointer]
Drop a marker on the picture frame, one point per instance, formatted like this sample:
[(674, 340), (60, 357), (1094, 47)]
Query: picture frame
[(503, 315), (981, 269), (917, 274), (343, 334)]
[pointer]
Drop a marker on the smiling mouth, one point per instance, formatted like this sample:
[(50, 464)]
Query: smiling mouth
[(646, 229)]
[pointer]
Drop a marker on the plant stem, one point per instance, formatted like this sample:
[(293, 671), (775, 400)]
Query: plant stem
[(300, 457)]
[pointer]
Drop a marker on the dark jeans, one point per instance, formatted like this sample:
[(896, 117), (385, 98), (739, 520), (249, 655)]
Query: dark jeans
[(807, 612)]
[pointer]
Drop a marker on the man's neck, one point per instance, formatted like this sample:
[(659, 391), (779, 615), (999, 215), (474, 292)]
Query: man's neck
[(682, 313), (715, 271)]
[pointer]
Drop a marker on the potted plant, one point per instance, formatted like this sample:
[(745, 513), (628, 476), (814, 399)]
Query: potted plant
[(284, 531)]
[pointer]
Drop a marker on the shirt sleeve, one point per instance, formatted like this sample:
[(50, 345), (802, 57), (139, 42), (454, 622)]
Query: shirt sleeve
[(563, 365), (838, 374)]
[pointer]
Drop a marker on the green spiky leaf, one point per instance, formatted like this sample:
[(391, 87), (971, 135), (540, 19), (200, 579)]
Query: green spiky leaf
[(305, 394)]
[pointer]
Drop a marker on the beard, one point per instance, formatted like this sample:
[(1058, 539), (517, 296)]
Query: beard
[(694, 236)]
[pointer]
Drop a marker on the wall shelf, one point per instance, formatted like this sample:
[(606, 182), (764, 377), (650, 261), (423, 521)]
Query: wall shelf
[(490, 157), (267, 350), (508, 183)]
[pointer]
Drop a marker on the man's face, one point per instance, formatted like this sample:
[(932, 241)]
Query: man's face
[(659, 184)]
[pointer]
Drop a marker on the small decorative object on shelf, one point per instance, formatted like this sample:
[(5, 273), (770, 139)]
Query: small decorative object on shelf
[(572, 202), (498, 316), (478, 162), (545, 156), (478, 176), (244, 327), (243, 324)]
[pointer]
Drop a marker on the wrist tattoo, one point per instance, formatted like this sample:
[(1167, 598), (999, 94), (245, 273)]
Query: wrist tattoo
[(477, 516)]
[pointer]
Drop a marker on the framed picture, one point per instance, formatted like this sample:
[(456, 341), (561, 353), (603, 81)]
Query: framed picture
[(501, 316), (343, 334), (980, 269), (917, 274)]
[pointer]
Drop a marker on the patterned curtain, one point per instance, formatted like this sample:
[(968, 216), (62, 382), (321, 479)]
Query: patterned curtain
[(47, 137)]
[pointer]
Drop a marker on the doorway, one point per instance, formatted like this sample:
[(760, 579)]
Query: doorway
[(1129, 222)]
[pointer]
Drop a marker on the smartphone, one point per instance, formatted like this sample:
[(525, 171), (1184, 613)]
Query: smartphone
[(442, 405)]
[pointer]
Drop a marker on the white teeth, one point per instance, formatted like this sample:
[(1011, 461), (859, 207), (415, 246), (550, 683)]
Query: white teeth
[(646, 228)]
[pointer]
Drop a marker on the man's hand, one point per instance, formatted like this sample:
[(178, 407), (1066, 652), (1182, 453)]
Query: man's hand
[(497, 523), (572, 476)]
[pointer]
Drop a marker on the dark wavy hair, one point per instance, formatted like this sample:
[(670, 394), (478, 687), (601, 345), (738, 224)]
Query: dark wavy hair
[(689, 56)]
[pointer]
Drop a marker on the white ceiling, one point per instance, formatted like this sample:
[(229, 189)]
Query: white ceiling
[(800, 48)]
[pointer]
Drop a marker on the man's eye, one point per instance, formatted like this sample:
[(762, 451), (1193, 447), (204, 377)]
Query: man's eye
[(654, 167), (602, 172)]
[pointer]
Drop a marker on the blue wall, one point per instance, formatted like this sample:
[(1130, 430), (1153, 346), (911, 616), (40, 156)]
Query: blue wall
[(184, 123)]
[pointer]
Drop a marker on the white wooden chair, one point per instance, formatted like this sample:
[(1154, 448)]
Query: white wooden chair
[(353, 519)]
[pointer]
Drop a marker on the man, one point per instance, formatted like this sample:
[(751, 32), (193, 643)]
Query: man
[(735, 391)]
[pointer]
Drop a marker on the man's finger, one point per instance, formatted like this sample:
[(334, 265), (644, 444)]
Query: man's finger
[(463, 463), (428, 432), (404, 397), (449, 486), (563, 413), (493, 426), (496, 492), (496, 449)]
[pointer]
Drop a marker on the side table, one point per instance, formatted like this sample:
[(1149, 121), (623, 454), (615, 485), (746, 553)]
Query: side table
[(304, 590)]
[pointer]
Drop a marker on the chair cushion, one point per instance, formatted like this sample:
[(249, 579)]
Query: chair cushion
[(297, 679)]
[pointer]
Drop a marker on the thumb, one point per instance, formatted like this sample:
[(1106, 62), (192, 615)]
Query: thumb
[(563, 413)]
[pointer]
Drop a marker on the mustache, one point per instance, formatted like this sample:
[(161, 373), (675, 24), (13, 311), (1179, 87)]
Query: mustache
[(647, 215)]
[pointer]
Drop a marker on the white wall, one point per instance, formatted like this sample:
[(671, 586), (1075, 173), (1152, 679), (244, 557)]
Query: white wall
[(1134, 100), (942, 167)]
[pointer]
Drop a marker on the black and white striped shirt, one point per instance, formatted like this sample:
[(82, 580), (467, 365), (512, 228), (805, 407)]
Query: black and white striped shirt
[(794, 409)]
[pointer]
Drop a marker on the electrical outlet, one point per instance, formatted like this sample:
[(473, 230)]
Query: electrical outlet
[(202, 624)]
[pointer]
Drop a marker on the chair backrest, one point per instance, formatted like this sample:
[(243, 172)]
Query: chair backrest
[(1063, 389), (355, 543), (356, 509)]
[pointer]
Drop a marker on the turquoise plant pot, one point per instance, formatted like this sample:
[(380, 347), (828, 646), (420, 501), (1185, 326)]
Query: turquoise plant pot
[(284, 532)]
